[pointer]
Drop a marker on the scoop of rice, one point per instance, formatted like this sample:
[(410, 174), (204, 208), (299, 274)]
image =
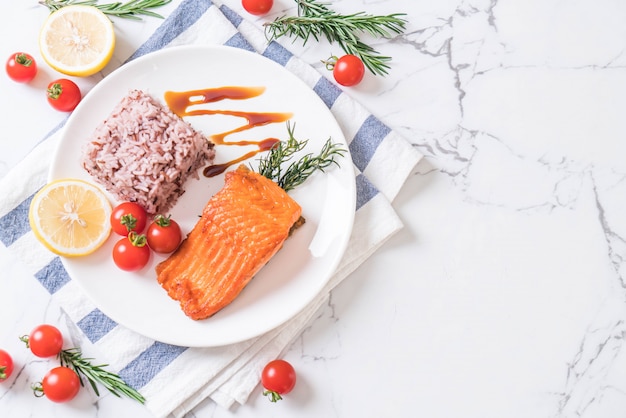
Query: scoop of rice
[(143, 152)]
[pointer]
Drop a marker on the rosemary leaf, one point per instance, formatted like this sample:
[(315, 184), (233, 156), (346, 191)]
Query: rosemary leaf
[(72, 357), (271, 165), (316, 21), (129, 10)]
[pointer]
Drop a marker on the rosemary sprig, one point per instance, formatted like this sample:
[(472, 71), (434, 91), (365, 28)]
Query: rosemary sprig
[(128, 10), (315, 20), (72, 357), (271, 164)]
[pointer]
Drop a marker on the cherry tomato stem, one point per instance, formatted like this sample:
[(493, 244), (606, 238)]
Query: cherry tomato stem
[(162, 220), (138, 240), (37, 388), (273, 396), (129, 221)]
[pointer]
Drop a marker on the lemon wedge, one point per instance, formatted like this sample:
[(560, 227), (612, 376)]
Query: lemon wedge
[(77, 40), (70, 217)]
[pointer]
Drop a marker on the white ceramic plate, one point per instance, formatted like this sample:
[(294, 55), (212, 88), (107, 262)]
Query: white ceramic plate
[(300, 269)]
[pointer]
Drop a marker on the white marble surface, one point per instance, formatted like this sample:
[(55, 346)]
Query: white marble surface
[(504, 296)]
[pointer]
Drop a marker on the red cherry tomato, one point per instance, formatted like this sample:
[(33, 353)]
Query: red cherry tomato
[(21, 67), (257, 7), (131, 253), (63, 95), (44, 341), (128, 216), (349, 70), (60, 384), (6, 365), (278, 378), (163, 234)]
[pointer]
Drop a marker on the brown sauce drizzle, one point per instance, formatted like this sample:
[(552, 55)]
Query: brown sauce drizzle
[(181, 102), (215, 169)]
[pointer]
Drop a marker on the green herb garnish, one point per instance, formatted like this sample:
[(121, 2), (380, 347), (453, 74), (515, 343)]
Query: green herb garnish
[(128, 10), (72, 357), (271, 164), (315, 20)]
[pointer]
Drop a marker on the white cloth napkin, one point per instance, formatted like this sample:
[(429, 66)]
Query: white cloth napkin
[(175, 379)]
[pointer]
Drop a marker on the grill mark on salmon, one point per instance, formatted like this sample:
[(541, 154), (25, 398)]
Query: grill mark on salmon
[(241, 228)]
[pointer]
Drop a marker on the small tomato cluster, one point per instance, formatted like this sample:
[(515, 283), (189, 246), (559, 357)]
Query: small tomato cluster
[(132, 253), (60, 384), (63, 94)]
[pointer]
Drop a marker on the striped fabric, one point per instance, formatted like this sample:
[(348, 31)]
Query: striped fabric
[(174, 379)]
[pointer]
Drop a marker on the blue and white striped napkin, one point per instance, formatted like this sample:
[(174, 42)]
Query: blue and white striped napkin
[(175, 379)]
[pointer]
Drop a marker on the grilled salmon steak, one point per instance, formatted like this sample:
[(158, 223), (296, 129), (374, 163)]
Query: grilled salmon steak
[(241, 227)]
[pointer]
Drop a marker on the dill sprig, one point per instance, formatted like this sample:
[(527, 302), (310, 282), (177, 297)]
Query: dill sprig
[(315, 20), (72, 357), (128, 10), (271, 164)]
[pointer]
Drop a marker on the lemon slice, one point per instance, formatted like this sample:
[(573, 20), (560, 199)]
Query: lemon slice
[(77, 40), (70, 217)]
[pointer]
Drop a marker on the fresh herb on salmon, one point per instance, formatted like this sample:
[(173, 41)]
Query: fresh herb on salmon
[(271, 164)]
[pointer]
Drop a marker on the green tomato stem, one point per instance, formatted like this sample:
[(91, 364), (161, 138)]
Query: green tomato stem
[(54, 92), (273, 396), (22, 59), (138, 240), (162, 221), (25, 340), (37, 388), (129, 221)]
